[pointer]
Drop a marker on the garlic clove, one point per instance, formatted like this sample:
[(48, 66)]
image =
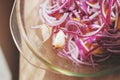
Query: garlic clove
[(59, 39)]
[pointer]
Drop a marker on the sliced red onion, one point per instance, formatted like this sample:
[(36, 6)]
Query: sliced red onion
[(52, 21), (73, 49), (95, 32), (103, 58), (114, 51), (87, 24), (96, 5), (118, 2), (60, 7), (103, 10), (108, 16), (94, 15)]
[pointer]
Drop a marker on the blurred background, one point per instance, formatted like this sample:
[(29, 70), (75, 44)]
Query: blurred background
[(9, 55)]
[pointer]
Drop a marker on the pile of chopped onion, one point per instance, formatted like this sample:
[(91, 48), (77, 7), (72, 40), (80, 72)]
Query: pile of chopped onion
[(84, 31)]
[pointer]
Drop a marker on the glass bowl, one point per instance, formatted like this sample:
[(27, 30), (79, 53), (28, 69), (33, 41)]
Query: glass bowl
[(30, 43)]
